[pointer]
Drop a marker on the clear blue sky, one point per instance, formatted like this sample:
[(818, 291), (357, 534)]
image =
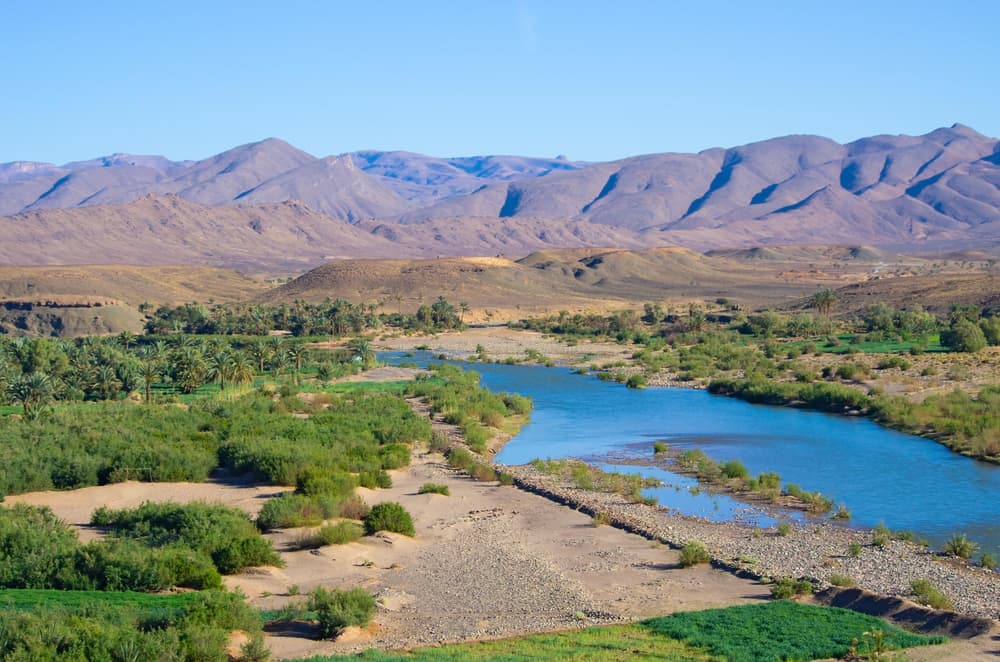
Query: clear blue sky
[(592, 80)]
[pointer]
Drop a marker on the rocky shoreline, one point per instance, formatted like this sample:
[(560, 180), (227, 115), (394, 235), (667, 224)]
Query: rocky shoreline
[(812, 551)]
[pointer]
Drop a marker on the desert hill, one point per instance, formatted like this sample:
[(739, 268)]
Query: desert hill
[(99, 299), (577, 279), (132, 285)]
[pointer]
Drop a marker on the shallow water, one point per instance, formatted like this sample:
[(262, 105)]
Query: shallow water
[(907, 482)]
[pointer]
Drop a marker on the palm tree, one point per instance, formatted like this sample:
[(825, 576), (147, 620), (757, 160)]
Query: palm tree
[(126, 338), (32, 390), (362, 351), (296, 354), (106, 382), (188, 368), (260, 353), (824, 300), (464, 307), (241, 369), (151, 366), (220, 368)]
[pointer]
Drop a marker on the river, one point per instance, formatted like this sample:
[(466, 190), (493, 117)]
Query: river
[(907, 482)]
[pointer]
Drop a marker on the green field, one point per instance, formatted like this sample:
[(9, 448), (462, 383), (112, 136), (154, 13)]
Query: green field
[(780, 630), (26, 599)]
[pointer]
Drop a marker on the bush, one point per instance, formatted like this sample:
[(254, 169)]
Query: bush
[(225, 534), (374, 480), (926, 593), (290, 511), (787, 588), (337, 610), (734, 469), (600, 518), (482, 472), (784, 529), (660, 447), (354, 507), (960, 546), (854, 550), (844, 581), (881, 535), (340, 533), (988, 561), (389, 516), (434, 488), (964, 336), (637, 381), (694, 553)]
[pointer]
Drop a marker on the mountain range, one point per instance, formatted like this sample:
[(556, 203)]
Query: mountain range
[(268, 205)]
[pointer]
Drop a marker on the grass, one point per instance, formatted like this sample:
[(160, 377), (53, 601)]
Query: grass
[(759, 633), (781, 630), (600, 644), (922, 591), (398, 386), (25, 599)]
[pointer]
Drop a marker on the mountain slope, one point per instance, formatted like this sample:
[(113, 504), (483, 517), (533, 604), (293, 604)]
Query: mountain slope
[(940, 190)]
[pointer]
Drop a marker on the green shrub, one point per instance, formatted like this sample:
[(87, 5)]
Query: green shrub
[(844, 581), (374, 480), (340, 533), (784, 529), (854, 550), (225, 534), (988, 561), (734, 469), (926, 593), (843, 513), (338, 609), (881, 535), (389, 516), (787, 588), (959, 545), (694, 553), (434, 488), (637, 381), (290, 511), (660, 447)]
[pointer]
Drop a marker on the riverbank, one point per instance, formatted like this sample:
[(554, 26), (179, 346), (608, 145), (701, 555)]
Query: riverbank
[(813, 551)]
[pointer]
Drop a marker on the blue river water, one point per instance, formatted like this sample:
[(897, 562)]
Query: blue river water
[(907, 482)]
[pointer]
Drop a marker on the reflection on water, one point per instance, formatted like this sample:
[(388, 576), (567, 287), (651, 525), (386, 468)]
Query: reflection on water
[(907, 482)]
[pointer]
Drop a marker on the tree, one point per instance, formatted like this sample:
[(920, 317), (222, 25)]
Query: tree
[(220, 368), (964, 336), (151, 366), (362, 351), (33, 391), (106, 382), (241, 369), (260, 352), (296, 353), (126, 339), (824, 301)]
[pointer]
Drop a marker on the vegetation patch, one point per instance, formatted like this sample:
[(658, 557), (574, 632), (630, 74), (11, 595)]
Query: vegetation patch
[(585, 477), (599, 644), (389, 516), (225, 534), (781, 630), (195, 628)]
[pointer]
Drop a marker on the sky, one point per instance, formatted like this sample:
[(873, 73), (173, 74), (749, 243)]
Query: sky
[(589, 80)]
